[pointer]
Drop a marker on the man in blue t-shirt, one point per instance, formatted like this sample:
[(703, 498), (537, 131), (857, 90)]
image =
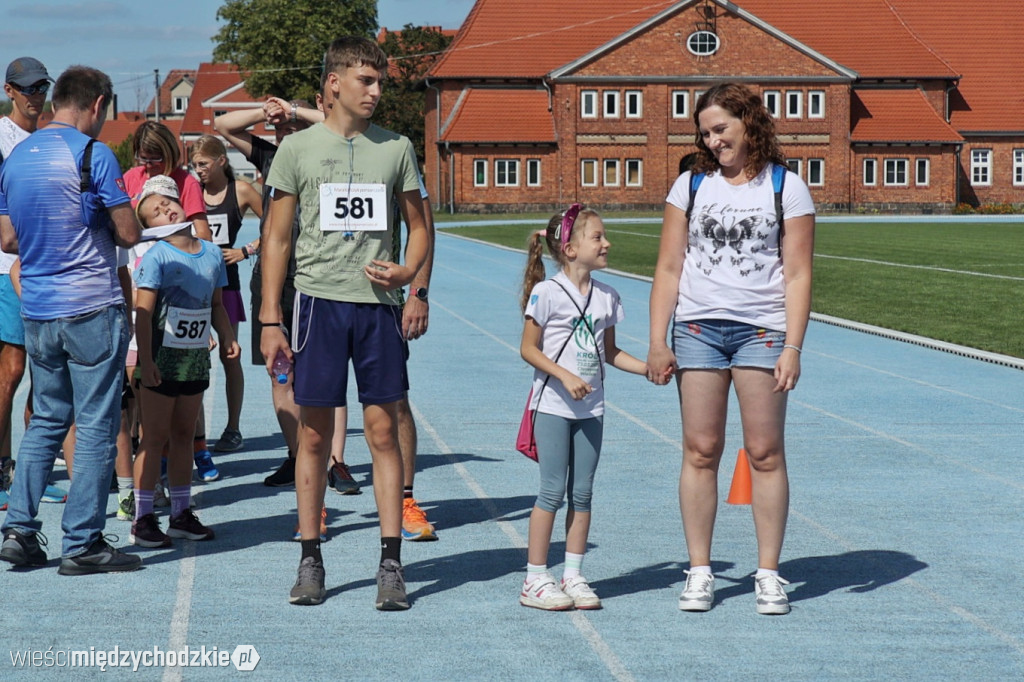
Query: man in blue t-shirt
[(63, 217)]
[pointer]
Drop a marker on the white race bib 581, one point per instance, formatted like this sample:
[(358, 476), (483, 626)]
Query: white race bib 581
[(355, 207)]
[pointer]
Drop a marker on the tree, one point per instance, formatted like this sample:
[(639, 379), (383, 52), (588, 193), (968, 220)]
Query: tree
[(412, 52), (280, 44), (125, 156)]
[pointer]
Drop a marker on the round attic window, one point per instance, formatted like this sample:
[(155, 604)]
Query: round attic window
[(703, 43)]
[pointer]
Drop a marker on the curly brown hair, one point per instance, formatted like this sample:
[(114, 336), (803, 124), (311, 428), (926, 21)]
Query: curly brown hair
[(746, 105)]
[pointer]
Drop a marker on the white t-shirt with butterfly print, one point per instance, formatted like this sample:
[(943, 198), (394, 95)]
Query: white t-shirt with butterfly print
[(553, 310), (733, 268)]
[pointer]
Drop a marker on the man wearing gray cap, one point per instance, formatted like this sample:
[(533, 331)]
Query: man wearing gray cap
[(63, 217), (26, 85)]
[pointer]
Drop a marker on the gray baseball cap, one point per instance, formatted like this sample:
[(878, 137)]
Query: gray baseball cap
[(26, 71)]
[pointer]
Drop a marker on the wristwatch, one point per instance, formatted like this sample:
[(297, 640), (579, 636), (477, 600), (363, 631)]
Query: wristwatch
[(419, 292)]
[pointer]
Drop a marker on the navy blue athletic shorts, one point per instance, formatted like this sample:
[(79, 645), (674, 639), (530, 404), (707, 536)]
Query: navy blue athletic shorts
[(328, 334)]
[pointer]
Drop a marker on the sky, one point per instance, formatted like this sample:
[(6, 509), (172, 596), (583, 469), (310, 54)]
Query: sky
[(128, 39)]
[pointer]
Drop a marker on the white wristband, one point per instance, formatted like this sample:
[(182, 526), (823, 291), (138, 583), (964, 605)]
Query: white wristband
[(798, 349)]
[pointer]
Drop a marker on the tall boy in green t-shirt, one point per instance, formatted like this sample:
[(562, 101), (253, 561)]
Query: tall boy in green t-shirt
[(343, 174)]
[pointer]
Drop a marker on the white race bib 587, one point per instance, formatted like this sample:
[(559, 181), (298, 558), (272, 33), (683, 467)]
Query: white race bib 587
[(189, 329)]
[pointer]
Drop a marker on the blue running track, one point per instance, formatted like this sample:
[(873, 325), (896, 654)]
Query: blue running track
[(903, 550)]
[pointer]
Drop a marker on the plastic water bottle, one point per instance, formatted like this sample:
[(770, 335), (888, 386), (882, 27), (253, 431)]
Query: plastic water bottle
[(281, 367)]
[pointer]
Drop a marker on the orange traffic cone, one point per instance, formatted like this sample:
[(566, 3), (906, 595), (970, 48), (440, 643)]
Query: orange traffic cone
[(739, 493)]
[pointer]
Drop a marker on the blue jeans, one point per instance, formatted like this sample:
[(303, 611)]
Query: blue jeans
[(77, 365)]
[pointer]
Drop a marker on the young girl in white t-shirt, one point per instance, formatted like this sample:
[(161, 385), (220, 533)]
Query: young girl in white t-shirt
[(568, 335)]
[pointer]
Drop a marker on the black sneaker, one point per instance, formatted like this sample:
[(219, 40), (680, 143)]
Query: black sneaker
[(187, 525), (284, 476), (391, 587), (230, 441), (146, 532), (309, 587), (23, 549), (100, 558)]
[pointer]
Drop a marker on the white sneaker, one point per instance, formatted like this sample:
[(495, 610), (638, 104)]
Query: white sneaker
[(771, 597), (544, 593), (699, 592), (578, 589)]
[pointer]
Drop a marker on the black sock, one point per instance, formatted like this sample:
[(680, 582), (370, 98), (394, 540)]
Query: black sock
[(407, 492), (312, 548), (391, 548)]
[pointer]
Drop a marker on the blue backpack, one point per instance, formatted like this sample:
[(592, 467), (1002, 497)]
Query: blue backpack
[(778, 182)]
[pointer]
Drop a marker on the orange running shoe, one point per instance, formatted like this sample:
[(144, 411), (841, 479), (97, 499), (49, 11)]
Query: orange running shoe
[(415, 526), (323, 527)]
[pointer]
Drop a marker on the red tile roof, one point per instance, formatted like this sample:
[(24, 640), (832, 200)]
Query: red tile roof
[(528, 39), (877, 39), (523, 114), (897, 116), (117, 130), (213, 80)]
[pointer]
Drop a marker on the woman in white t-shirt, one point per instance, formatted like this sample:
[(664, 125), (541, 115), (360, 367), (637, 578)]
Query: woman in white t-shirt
[(568, 335), (734, 278)]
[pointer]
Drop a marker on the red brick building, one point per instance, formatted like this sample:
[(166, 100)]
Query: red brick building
[(890, 105)]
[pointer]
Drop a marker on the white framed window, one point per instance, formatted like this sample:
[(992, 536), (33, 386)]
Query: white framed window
[(479, 172), (896, 172), (611, 172), (922, 172), (506, 172), (703, 43), (870, 172), (634, 103), (680, 104), (815, 172), (634, 172), (816, 104), (588, 172), (533, 172), (773, 102), (588, 103), (981, 166), (180, 105), (1018, 167), (796, 165), (794, 104), (611, 103)]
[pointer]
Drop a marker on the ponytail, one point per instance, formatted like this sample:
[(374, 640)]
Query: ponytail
[(535, 271)]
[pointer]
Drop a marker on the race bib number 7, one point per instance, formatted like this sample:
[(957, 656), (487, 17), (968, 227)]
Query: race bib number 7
[(187, 329), (356, 207)]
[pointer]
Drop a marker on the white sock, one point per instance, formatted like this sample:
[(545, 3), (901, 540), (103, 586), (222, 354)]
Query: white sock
[(700, 569), (766, 571), (573, 564), (535, 571)]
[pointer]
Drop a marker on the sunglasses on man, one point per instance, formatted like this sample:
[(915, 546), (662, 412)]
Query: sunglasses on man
[(28, 91)]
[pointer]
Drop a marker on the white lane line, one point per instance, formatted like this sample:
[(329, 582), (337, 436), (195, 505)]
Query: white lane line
[(614, 664), (1009, 639), (932, 268), (910, 445), (177, 639)]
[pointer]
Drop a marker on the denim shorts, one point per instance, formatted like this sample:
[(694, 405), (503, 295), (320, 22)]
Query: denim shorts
[(12, 329), (722, 344)]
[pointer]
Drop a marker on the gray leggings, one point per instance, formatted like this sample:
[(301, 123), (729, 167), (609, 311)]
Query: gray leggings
[(567, 451)]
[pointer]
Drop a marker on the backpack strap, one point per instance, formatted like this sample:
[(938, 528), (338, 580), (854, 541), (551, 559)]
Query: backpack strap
[(695, 180), (86, 172), (778, 184)]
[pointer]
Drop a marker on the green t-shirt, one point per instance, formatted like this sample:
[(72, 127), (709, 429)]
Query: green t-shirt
[(356, 179)]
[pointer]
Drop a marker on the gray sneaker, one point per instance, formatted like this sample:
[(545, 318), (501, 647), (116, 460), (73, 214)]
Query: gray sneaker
[(391, 587), (771, 597), (101, 557), (309, 587), (23, 549), (699, 592)]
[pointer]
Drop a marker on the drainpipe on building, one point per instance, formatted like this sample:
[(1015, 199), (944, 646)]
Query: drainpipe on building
[(956, 175), (437, 137), (451, 178)]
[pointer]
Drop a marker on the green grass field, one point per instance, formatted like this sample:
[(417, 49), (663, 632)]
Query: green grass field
[(957, 282)]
